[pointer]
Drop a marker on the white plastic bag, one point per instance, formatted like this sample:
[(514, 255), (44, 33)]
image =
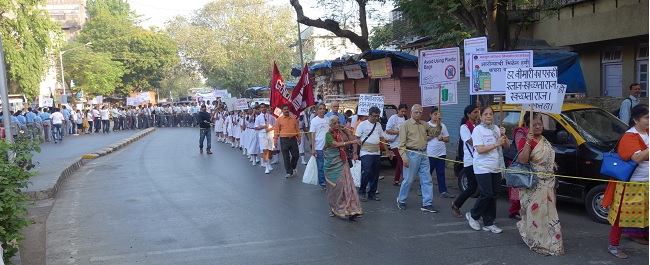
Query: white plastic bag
[(356, 172), (310, 176)]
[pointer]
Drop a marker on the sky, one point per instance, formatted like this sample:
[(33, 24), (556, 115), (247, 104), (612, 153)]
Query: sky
[(156, 12)]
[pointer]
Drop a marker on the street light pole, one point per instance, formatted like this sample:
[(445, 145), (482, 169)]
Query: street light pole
[(61, 61), (4, 95)]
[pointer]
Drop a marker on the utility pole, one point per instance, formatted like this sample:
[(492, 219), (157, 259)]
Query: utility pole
[(4, 95), (302, 63)]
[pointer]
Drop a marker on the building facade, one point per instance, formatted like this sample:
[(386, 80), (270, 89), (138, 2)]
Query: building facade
[(328, 46)]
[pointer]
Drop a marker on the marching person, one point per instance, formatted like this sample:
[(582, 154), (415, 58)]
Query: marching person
[(289, 133), (370, 133), (467, 125), (264, 125), (302, 125), (253, 148), (392, 127), (318, 128), (204, 127), (437, 152), (414, 135)]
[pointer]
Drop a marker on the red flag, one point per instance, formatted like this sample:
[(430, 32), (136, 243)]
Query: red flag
[(303, 93), (279, 92)]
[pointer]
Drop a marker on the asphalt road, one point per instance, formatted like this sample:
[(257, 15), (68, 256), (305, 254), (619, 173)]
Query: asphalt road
[(158, 201)]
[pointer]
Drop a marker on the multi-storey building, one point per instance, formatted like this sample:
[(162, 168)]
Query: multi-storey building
[(326, 45)]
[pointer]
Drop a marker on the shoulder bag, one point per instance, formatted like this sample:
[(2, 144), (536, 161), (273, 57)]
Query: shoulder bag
[(520, 175), (615, 167)]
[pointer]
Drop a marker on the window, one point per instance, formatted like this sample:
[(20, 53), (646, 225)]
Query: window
[(612, 55), (642, 68)]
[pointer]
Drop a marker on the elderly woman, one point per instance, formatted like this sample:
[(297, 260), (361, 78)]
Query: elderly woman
[(539, 225), (341, 193), (628, 211)]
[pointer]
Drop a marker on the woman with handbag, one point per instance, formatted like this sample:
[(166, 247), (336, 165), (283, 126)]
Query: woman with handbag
[(342, 196), (539, 226), (628, 201), (488, 164)]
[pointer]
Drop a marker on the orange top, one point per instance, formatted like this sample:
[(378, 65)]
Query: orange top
[(630, 144), (287, 126)]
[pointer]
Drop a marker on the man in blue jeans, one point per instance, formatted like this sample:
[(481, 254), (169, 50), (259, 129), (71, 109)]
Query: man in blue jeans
[(413, 137), (370, 133), (204, 125), (318, 127)]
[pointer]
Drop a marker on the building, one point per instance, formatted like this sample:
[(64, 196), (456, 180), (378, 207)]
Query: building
[(326, 45), (611, 38)]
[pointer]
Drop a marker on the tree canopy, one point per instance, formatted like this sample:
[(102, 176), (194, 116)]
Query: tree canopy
[(93, 72)]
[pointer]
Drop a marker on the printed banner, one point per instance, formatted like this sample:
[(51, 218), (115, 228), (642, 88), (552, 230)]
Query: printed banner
[(381, 68), (353, 71), (440, 65), (531, 85), (551, 107), (241, 103), (367, 101), (489, 70), (431, 93), (472, 46)]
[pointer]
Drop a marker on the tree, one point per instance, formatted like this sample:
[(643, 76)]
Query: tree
[(234, 42), (93, 72), (180, 78), (26, 31)]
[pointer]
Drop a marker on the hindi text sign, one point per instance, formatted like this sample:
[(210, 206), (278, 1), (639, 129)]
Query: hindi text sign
[(489, 70), (440, 65), (241, 103), (556, 107), (367, 101), (531, 85), (380, 68)]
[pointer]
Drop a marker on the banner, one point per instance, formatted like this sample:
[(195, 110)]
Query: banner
[(489, 70), (241, 104), (279, 92), (431, 93), (531, 85), (472, 46), (131, 101), (367, 101), (440, 65), (555, 108), (219, 93), (353, 71), (380, 68), (303, 94)]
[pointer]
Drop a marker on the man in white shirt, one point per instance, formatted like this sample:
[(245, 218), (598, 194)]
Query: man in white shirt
[(370, 133), (392, 128), (98, 118), (264, 126), (105, 116), (57, 123), (318, 129)]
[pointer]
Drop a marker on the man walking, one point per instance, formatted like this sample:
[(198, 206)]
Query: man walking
[(318, 129), (413, 137), (264, 126), (370, 133), (289, 133), (204, 127)]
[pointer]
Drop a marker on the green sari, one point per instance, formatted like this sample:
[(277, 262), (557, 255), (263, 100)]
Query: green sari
[(342, 196)]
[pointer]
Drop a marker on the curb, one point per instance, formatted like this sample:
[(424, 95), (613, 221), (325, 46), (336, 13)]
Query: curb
[(50, 193)]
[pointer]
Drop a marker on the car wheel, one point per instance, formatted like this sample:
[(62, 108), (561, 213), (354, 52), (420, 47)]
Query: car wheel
[(462, 182), (593, 204)]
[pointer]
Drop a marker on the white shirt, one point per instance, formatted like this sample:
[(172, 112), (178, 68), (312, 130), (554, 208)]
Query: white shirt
[(466, 135), (436, 147), (394, 123), (354, 120), (95, 113), (263, 119), (363, 131), (57, 118), (640, 174), (319, 126), (485, 137), (104, 114)]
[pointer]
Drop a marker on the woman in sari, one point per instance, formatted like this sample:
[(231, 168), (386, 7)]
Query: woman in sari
[(341, 194), (628, 202), (539, 225)]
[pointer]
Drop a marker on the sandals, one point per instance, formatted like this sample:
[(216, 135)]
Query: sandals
[(639, 240), (396, 183), (616, 252), (455, 211)]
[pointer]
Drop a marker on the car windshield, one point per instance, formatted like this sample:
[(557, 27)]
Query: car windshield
[(596, 126)]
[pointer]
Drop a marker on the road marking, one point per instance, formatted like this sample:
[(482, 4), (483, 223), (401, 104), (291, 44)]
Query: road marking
[(182, 250)]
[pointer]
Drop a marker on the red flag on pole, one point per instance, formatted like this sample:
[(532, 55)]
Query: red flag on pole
[(279, 92), (303, 94)]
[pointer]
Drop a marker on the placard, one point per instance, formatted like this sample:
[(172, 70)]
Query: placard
[(353, 71), (555, 108), (219, 93), (472, 46), (489, 70), (381, 68), (63, 99), (99, 99), (226, 96), (231, 103), (131, 101), (241, 103), (531, 85), (430, 94), (438, 66), (48, 102), (367, 101)]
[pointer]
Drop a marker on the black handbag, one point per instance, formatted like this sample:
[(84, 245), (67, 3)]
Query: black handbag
[(520, 175)]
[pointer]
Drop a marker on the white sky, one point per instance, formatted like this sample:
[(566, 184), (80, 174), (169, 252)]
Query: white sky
[(159, 11)]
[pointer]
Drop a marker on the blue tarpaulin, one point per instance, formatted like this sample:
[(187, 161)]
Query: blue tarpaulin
[(568, 68)]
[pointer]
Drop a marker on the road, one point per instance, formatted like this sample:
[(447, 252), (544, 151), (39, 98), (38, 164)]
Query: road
[(158, 201)]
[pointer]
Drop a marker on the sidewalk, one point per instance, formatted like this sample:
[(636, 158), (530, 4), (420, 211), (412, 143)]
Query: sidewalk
[(56, 162)]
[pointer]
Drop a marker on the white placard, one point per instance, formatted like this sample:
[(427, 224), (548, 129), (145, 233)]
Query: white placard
[(472, 46), (555, 108), (241, 103), (63, 99), (144, 96), (231, 103), (226, 96), (99, 99), (531, 85), (353, 71), (489, 70), (48, 102), (219, 93), (131, 101), (438, 66), (367, 101), (430, 94)]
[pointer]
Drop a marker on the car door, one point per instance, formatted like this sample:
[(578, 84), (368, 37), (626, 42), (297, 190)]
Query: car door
[(566, 155)]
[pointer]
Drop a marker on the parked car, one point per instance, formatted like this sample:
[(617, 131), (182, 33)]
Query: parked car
[(580, 136)]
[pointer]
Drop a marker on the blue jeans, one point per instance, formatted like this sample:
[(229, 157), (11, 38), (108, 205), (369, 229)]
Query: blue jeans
[(320, 162), (56, 132), (418, 165), (370, 165), (205, 133), (439, 166)]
